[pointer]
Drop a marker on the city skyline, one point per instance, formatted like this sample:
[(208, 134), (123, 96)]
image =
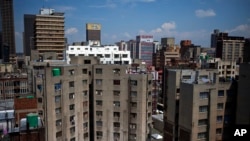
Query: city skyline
[(125, 19)]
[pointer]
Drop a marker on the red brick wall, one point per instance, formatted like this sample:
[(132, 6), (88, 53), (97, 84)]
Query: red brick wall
[(25, 103)]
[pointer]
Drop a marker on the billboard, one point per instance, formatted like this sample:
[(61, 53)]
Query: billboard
[(93, 26)]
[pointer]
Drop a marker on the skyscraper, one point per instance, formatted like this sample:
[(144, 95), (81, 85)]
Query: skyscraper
[(144, 48), (228, 48), (28, 37), (7, 36), (49, 32), (93, 33)]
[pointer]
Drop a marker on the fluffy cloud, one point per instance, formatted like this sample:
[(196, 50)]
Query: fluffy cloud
[(205, 13), (240, 30), (71, 31)]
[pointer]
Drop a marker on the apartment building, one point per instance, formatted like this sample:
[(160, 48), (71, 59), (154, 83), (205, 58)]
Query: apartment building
[(122, 104), (49, 32), (62, 92), (198, 106), (107, 54)]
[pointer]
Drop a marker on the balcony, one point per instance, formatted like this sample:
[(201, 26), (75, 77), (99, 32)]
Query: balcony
[(117, 129), (202, 128), (203, 115), (116, 119)]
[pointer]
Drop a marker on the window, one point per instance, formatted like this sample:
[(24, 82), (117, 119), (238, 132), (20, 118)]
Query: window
[(98, 113), (133, 93), (116, 103), (221, 93), (87, 61), (71, 95), (71, 84), (84, 71), (107, 55), (57, 86), (133, 115), (218, 131), (72, 130), (98, 81), (116, 124), (219, 119), (204, 95), (98, 92), (220, 106), (57, 98), (72, 107), (202, 122), (86, 135), (72, 120), (116, 71), (99, 102), (85, 125), (203, 108), (116, 114), (132, 126), (133, 104), (116, 82), (124, 56), (99, 123), (58, 122), (73, 139), (133, 82), (186, 77), (116, 55), (85, 93), (116, 93), (202, 135), (116, 136), (98, 134), (71, 72), (99, 55), (40, 100), (84, 82), (58, 110), (132, 136), (98, 71), (85, 104), (58, 134)]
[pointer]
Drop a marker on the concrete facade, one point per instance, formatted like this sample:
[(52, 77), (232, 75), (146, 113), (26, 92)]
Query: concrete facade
[(199, 106)]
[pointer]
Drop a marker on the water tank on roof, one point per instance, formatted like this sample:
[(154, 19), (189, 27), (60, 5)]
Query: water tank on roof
[(32, 120), (56, 72)]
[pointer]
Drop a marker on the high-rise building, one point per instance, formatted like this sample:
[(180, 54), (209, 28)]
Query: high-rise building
[(168, 41), (29, 34), (86, 100), (49, 32), (228, 48), (7, 33), (93, 33), (246, 53), (122, 104), (198, 105), (243, 97), (145, 48)]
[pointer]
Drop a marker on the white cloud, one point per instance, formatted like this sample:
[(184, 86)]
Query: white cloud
[(127, 35), (240, 30), (71, 31), (205, 13)]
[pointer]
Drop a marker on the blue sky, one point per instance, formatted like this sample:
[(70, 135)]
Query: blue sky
[(124, 19)]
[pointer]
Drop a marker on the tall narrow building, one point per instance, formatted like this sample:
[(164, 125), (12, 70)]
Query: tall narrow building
[(198, 105), (122, 104), (145, 48), (7, 33), (29, 34), (49, 32), (93, 33)]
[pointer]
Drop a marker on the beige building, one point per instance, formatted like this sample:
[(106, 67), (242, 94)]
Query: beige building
[(199, 106), (122, 104), (49, 32), (86, 100)]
